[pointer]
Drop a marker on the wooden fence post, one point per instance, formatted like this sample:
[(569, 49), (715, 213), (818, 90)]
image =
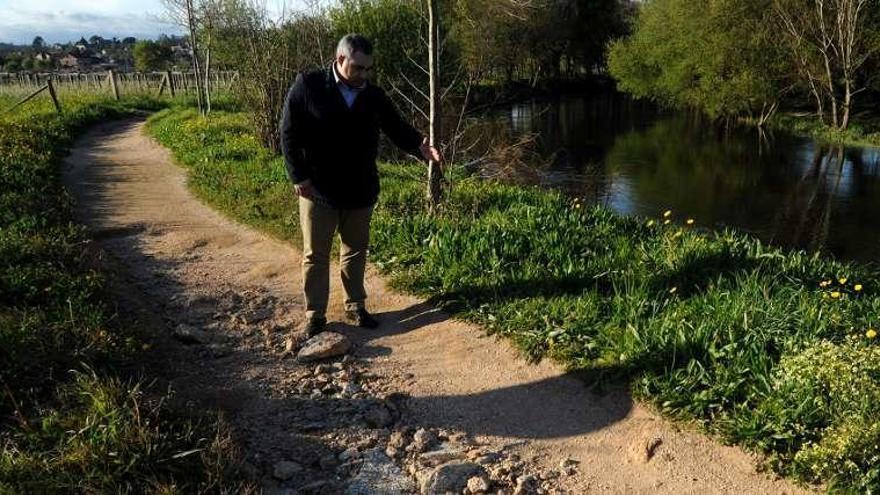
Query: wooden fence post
[(162, 84), (51, 88), (112, 76), (170, 82)]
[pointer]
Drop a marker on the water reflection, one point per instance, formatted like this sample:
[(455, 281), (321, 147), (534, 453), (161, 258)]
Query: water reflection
[(787, 190)]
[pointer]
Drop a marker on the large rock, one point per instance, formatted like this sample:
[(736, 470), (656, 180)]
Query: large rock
[(324, 345), (451, 477)]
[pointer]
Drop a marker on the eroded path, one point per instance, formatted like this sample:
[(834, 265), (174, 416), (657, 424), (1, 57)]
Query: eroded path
[(230, 295)]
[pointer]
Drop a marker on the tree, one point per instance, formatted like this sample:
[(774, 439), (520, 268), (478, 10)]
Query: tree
[(150, 56), (183, 13), (268, 53), (829, 43), (494, 36), (537, 39), (720, 56), (38, 43), (43, 65), (12, 65), (588, 27)]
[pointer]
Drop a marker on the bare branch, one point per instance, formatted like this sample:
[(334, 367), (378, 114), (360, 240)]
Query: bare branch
[(411, 103), (414, 86)]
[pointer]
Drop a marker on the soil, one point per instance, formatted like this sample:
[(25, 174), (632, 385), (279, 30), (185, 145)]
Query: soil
[(221, 303)]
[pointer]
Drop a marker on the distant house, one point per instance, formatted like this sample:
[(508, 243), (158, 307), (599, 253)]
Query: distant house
[(180, 51), (79, 61), (69, 61), (43, 57)]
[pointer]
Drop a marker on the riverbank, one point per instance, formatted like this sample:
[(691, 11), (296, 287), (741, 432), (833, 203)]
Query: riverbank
[(773, 350), (486, 96), (75, 418), (864, 130)]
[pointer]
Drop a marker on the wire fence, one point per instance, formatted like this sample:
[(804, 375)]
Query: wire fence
[(125, 82), (25, 87)]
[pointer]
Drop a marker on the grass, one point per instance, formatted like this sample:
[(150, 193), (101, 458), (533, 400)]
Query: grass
[(70, 420), (864, 130), (773, 350)]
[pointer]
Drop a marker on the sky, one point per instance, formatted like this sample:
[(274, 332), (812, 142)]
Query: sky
[(59, 21)]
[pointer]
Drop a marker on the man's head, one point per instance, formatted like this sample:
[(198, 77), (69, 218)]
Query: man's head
[(354, 59)]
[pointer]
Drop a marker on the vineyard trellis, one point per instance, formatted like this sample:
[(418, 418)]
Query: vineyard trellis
[(115, 83)]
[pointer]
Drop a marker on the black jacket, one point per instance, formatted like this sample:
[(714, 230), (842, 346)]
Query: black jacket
[(336, 146)]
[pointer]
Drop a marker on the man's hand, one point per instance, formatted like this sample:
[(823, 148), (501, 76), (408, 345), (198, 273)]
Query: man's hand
[(430, 153), (305, 189)]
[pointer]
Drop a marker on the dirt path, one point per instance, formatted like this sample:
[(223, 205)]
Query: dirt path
[(183, 268)]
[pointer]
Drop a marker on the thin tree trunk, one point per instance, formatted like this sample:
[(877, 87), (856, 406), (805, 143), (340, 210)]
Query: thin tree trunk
[(208, 75), (847, 100), (190, 19), (434, 172), (830, 88)]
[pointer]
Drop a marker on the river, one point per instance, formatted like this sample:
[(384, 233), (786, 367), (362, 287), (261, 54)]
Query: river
[(789, 191)]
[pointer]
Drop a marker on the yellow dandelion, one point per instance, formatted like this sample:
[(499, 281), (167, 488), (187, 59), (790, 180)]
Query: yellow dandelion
[(667, 213), (842, 280), (835, 295), (858, 287), (871, 333), (690, 221), (666, 222), (650, 223), (577, 205)]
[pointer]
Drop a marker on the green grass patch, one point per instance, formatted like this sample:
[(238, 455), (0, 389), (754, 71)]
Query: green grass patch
[(864, 130), (70, 422), (766, 348)]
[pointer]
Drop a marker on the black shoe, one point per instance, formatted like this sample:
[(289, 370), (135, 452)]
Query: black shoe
[(362, 318), (314, 326)]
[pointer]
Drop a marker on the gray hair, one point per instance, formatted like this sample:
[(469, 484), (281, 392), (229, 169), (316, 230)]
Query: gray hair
[(354, 42)]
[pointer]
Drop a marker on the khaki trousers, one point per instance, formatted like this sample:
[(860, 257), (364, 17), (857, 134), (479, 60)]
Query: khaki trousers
[(319, 223)]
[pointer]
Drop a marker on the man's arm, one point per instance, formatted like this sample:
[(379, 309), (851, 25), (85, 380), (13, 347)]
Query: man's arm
[(291, 132)]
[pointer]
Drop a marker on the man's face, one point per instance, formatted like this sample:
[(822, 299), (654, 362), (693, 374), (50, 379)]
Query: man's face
[(355, 69)]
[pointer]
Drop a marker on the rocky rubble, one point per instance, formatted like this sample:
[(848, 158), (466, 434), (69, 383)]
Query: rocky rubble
[(348, 430)]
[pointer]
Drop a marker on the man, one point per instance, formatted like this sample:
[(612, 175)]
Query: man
[(329, 137)]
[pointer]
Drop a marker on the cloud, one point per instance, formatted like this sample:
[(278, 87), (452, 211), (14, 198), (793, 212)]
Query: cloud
[(59, 21), (74, 20)]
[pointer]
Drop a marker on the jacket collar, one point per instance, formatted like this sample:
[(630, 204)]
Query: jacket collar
[(334, 78)]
